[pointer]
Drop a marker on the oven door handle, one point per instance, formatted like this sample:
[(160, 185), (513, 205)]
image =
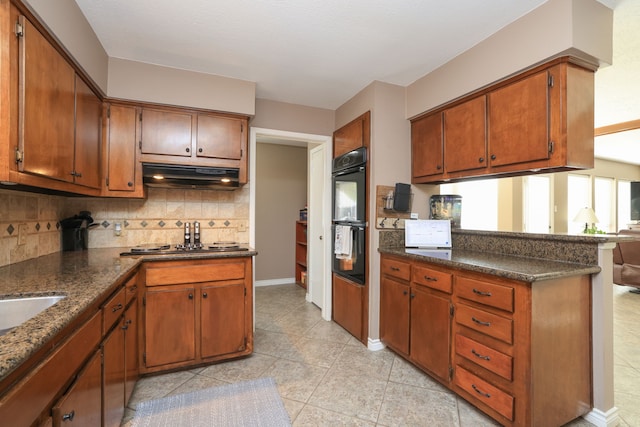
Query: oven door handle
[(348, 171)]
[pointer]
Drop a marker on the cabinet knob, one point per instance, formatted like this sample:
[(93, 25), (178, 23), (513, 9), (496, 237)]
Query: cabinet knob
[(190, 296), (129, 184), (481, 160), (438, 167), (69, 416), (188, 150), (493, 157), (405, 292), (199, 150), (204, 295)]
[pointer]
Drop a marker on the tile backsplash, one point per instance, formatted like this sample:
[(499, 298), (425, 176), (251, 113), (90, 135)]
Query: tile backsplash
[(223, 216)]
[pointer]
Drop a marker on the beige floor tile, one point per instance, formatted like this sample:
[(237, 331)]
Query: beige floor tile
[(198, 382), (352, 395), (296, 381), (244, 369), (405, 373), (158, 386), (472, 417), (406, 405), (313, 352), (311, 416), (293, 407), (273, 343), (328, 331), (358, 360)]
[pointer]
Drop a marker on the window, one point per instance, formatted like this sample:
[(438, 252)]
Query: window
[(578, 188), (537, 205), (604, 203), (479, 203)]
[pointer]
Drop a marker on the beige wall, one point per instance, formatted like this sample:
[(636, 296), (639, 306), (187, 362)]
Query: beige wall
[(281, 191), (293, 118), (165, 85), (581, 27)]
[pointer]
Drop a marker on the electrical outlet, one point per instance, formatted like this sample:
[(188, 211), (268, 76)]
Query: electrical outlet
[(117, 229), (22, 234), (414, 215)]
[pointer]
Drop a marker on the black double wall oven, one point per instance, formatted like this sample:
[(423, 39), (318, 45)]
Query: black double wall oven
[(349, 215)]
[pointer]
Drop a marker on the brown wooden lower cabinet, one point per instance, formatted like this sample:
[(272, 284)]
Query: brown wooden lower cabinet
[(81, 381), (347, 303), (518, 351), (196, 312), (81, 405)]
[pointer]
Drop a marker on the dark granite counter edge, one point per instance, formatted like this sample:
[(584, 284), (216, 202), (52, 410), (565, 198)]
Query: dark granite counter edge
[(508, 266)]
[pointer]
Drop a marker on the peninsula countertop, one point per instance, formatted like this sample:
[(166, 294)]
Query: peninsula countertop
[(83, 277), (521, 268)]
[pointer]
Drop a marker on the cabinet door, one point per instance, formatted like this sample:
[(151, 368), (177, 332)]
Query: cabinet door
[(426, 146), (121, 148), (82, 403), (519, 121), (169, 317), (430, 331), (113, 376), (166, 132), (222, 319), (87, 139), (347, 305), (465, 136), (130, 350), (219, 137), (394, 314), (47, 100), (347, 138)]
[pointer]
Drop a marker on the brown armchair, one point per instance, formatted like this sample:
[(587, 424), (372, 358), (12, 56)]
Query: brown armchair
[(626, 261)]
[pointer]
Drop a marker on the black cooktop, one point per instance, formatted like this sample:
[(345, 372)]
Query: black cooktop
[(166, 249)]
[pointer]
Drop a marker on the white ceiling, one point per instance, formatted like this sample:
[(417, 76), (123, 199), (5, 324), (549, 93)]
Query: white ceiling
[(321, 53)]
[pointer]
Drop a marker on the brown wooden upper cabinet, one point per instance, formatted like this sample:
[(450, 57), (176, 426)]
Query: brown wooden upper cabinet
[(219, 137), (124, 172), (166, 133), (58, 116), (354, 134), (539, 121), (186, 136), (426, 147)]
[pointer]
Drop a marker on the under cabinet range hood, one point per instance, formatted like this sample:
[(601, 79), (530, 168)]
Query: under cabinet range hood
[(193, 177)]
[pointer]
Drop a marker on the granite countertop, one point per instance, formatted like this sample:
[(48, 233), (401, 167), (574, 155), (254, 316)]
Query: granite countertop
[(82, 277), (508, 266)]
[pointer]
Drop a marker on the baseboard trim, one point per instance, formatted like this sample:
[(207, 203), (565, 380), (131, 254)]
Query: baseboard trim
[(273, 282), (611, 418), (375, 345)]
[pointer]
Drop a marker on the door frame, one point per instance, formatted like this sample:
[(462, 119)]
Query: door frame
[(300, 140)]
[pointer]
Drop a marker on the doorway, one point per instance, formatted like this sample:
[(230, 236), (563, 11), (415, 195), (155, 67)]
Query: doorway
[(318, 152)]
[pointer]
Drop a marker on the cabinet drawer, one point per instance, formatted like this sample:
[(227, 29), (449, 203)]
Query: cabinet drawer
[(490, 359), (432, 278), (175, 275), (487, 323), (131, 289), (395, 268), (112, 310), (492, 396), (486, 293)]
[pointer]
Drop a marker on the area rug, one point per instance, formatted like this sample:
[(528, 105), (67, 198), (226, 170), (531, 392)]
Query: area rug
[(248, 403)]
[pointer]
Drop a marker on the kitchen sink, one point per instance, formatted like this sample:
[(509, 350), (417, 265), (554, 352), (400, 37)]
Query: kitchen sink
[(14, 312)]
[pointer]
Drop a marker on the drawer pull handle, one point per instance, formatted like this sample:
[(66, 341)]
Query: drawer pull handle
[(430, 279), (480, 356), (133, 288), (69, 416), (480, 392), (481, 293), (116, 308), (395, 269), (480, 322)]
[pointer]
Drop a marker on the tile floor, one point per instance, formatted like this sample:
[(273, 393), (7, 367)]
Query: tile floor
[(327, 378)]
